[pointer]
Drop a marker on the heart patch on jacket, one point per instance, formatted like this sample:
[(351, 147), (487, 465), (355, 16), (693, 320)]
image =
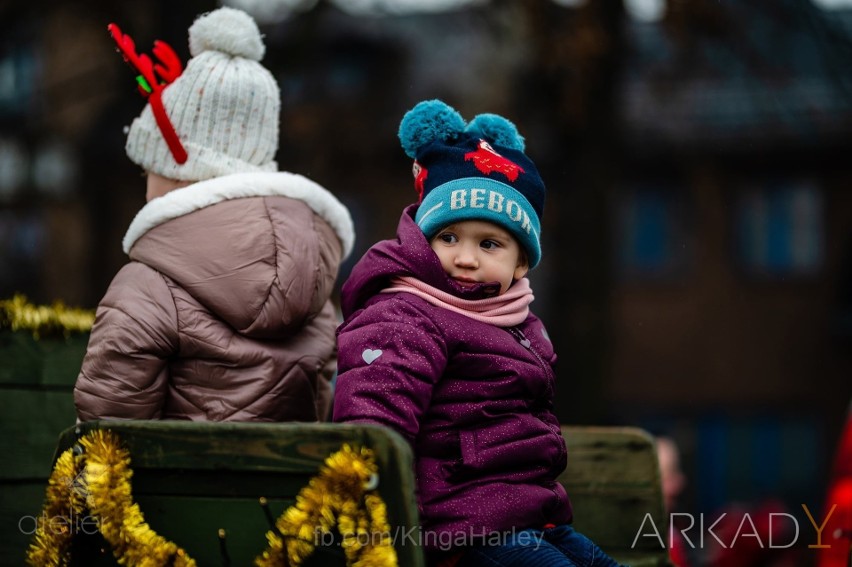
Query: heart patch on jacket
[(369, 355)]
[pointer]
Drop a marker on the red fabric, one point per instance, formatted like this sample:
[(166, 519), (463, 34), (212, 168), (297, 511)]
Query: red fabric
[(747, 546), (838, 503), (677, 551)]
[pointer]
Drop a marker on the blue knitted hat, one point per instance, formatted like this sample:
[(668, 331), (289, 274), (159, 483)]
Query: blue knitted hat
[(475, 171)]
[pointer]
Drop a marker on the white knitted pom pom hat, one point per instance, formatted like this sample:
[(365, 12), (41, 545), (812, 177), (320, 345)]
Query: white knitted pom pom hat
[(224, 106)]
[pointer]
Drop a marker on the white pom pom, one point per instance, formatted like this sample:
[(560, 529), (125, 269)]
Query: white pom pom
[(227, 30)]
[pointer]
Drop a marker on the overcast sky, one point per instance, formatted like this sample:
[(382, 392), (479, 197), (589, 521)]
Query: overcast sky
[(652, 10), (269, 10)]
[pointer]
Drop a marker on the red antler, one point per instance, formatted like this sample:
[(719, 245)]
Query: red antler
[(141, 63), (168, 69)]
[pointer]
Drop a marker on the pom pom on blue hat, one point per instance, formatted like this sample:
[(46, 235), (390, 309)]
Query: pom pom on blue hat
[(427, 122), (498, 129)]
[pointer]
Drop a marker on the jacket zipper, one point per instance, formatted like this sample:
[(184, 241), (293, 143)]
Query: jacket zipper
[(519, 335)]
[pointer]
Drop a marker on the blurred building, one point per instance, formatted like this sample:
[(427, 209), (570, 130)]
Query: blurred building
[(732, 242)]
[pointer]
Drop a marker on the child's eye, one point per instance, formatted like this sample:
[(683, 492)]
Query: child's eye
[(447, 237), (489, 244)]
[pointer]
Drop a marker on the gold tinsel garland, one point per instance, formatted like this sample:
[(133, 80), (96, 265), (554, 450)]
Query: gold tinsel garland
[(18, 314), (341, 494), (52, 542), (98, 480), (120, 520), (95, 477)]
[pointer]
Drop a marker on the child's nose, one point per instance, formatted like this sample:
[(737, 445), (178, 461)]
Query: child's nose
[(466, 259)]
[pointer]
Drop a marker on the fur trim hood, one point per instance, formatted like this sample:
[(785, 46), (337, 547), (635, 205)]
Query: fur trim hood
[(206, 193), (259, 251)]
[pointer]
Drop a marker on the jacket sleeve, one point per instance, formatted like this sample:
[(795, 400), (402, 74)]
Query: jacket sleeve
[(125, 373), (391, 356), (328, 368)]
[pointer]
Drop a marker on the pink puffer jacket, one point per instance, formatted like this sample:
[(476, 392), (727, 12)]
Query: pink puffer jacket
[(223, 313)]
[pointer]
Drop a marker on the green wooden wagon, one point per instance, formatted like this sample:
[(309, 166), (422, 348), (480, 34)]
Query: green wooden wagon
[(194, 479)]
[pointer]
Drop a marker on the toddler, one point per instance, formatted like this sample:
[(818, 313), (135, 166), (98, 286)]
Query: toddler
[(439, 344)]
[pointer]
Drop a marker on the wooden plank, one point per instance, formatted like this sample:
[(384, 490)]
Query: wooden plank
[(613, 481), (290, 447), (20, 363), (20, 505), (642, 559), (601, 456), (32, 422), (193, 524), (613, 521), (61, 360), (53, 362), (190, 522)]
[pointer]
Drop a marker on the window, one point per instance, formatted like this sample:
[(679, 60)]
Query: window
[(18, 71), (651, 239), (22, 243), (779, 229), (753, 458)]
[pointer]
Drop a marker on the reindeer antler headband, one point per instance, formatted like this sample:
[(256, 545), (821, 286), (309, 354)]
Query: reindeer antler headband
[(153, 79)]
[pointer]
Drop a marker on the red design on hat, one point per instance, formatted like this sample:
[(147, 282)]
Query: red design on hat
[(487, 160), (420, 175)]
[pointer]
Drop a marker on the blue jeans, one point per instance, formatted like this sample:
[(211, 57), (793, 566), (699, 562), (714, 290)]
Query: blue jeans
[(561, 546)]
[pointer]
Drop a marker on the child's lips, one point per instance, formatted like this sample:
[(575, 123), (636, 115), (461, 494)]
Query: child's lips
[(465, 282)]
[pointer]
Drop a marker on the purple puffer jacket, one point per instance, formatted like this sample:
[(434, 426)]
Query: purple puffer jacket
[(474, 400)]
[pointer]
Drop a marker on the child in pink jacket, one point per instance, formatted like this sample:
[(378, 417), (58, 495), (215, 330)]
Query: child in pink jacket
[(223, 312)]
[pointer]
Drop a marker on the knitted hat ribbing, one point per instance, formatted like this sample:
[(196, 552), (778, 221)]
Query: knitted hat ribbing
[(224, 106)]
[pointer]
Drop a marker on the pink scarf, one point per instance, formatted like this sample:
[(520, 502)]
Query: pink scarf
[(506, 310)]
